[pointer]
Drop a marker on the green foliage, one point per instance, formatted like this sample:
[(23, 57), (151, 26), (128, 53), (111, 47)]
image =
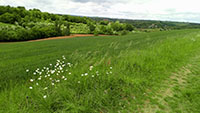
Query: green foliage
[(35, 24), (7, 18), (58, 24), (104, 22), (117, 26), (33, 31), (91, 27), (79, 28), (129, 27), (124, 32), (66, 29), (96, 33)]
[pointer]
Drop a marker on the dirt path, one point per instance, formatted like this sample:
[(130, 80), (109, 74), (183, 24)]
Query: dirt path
[(60, 37), (168, 90)]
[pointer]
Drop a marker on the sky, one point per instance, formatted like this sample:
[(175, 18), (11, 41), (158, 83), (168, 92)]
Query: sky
[(166, 10)]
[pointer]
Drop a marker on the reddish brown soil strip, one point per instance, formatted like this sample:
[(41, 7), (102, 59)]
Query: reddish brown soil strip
[(63, 37), (60, 37)]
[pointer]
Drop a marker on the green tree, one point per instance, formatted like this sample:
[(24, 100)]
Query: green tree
[(91, 27), (7, 18), (66, 30), (129, 27)]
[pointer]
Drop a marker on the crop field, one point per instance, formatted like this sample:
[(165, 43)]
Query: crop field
[(135, 73)]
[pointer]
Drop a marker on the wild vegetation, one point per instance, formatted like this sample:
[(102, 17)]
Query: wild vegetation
[(101, 74), (34, 24), (135, 71)]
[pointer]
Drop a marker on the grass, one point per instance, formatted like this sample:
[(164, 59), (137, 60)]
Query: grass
[(140, 62)]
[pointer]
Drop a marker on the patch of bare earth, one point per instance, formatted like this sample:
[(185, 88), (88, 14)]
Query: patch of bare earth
[(60, 37), (63, 37)]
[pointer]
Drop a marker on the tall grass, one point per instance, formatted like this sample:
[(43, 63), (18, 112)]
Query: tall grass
[(125, 69)]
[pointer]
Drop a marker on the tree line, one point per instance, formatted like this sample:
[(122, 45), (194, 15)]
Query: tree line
[(32, 24)]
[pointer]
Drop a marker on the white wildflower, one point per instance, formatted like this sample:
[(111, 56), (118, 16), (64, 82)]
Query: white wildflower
[(79, 82), (70, 73), (65, 79), (44, 96), (91, 67), (37, 84), (52, 71), (31, 80), (27, 70), (30, 87)]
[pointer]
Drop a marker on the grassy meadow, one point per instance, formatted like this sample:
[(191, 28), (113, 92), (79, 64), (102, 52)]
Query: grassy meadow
[(109, 74)]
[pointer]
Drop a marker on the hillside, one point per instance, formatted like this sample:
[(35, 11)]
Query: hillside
[(145, 72), (152, 24)]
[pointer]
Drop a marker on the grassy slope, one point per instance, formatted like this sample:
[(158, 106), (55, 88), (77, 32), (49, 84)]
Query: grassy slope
[(139, 61)]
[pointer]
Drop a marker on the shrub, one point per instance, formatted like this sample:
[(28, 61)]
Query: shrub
[(124, 32), (96, 33), (92, 28), (66, 29)]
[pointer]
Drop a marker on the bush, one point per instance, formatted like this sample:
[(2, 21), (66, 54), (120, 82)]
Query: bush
[(124, 32), (21, 34), (92, 28), (96, 33), (66, 29)]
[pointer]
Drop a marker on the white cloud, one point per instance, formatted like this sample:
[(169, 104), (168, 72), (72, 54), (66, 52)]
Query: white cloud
[(175, 10)]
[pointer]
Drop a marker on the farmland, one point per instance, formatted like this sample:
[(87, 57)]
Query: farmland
[(138, 72)]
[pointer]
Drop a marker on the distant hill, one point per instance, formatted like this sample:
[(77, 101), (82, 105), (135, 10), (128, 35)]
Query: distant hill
[(145, 24)]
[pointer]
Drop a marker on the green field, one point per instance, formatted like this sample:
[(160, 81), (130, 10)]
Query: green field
[(145, 72)]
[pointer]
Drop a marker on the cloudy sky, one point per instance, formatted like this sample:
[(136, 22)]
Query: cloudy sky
[(172, 10)]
